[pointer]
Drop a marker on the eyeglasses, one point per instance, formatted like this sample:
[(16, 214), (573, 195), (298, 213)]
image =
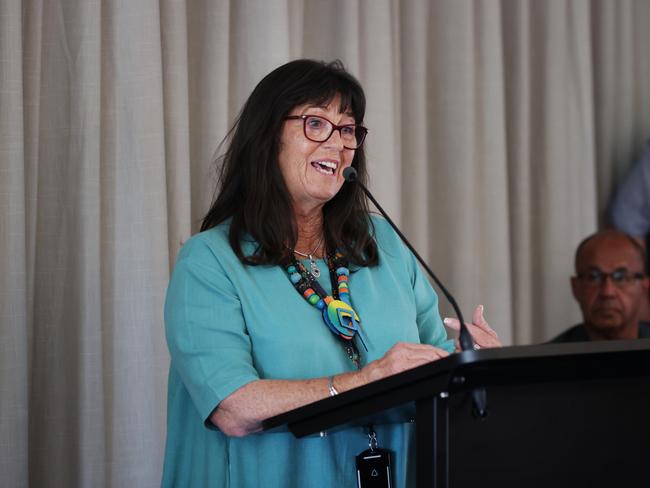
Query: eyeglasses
[(319, 129), (620, 277)]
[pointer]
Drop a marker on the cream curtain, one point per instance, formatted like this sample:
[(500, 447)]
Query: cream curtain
[(499, 129)]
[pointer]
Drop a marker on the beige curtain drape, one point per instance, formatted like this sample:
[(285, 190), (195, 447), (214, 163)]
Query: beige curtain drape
[(499, 129)]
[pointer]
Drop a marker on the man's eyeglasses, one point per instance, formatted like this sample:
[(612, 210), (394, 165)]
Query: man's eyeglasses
[(319, 129), (620, 277)]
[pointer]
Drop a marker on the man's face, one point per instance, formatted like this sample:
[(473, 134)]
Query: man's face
[(610, 306)]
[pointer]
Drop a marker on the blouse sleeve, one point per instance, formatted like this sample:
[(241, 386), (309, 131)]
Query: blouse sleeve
[(430, 326), (205, 329)]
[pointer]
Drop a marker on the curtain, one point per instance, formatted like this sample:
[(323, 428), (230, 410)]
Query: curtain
[(498, 131)]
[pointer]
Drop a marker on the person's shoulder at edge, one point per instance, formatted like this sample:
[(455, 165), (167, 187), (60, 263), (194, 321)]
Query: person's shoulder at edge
[(628, 210), (639, 172)]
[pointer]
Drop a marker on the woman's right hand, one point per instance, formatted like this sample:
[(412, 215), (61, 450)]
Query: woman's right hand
[(400, 357)]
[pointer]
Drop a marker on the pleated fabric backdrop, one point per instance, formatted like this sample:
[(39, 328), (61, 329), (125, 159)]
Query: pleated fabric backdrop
[(498, 131)]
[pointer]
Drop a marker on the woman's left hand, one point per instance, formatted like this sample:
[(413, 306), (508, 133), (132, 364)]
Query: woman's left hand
[(480, 330)]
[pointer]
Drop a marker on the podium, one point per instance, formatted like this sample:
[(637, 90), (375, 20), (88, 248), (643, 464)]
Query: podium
[(575, 414)]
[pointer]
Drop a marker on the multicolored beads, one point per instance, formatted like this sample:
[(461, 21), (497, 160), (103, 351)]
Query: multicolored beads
[(338, 314), (344, 291)]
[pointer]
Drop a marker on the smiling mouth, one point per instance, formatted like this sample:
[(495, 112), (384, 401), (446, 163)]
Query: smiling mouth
[(325, 167)]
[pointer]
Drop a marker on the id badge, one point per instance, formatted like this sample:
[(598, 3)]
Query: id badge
[(373, 465), (374, 469)]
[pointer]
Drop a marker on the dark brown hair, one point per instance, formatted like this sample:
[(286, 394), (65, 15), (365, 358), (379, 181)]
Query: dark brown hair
[(251, 189)]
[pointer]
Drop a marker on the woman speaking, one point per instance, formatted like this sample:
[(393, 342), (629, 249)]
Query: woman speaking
[(290, 293)]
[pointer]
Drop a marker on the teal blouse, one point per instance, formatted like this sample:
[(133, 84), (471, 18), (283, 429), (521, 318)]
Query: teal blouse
[(228, 324)]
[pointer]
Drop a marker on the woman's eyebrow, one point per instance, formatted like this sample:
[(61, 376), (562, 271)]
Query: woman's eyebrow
[(324, 109)]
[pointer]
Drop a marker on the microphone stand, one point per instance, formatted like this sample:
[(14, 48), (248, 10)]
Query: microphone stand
[(464, 338)]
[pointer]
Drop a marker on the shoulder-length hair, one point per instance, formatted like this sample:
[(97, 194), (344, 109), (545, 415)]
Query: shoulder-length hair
[(251, 189)]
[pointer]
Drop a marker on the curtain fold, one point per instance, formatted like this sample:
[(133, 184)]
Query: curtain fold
[(14, 220), (550, 127), (134, 236), (467, 157), (498, 131), (174, 38)]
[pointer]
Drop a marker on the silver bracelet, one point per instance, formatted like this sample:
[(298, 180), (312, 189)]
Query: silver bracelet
[(330, 386)]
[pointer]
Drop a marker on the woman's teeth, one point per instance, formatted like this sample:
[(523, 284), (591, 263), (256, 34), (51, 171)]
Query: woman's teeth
[(325, 167)]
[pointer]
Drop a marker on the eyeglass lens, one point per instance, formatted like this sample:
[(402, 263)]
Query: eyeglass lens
[(319, 129), (619, 277)]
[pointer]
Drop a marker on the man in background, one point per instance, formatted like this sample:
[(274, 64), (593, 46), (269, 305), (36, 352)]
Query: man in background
[(610, 286)]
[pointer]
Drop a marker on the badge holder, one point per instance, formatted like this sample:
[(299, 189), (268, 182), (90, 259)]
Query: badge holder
[(374, 465)]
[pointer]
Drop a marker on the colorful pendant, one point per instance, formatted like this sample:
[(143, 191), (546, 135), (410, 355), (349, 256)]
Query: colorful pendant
[(337, 313), (341, 319)]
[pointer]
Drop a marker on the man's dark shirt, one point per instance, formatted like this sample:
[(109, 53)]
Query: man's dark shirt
[(578, 333)]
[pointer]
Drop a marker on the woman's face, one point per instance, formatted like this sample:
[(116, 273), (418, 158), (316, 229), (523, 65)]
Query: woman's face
[(313, 171)]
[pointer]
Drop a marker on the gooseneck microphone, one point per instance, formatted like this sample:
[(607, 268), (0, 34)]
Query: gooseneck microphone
[(465, 338)]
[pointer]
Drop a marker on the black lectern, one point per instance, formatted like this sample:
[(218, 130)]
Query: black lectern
[(558, 415)]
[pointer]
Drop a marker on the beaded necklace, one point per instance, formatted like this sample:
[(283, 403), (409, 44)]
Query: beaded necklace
[(337, 311)]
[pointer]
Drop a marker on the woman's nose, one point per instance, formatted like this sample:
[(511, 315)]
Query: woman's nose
[(334, 140)]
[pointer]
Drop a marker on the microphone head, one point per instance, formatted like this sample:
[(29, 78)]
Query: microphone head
[(350, 174)]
